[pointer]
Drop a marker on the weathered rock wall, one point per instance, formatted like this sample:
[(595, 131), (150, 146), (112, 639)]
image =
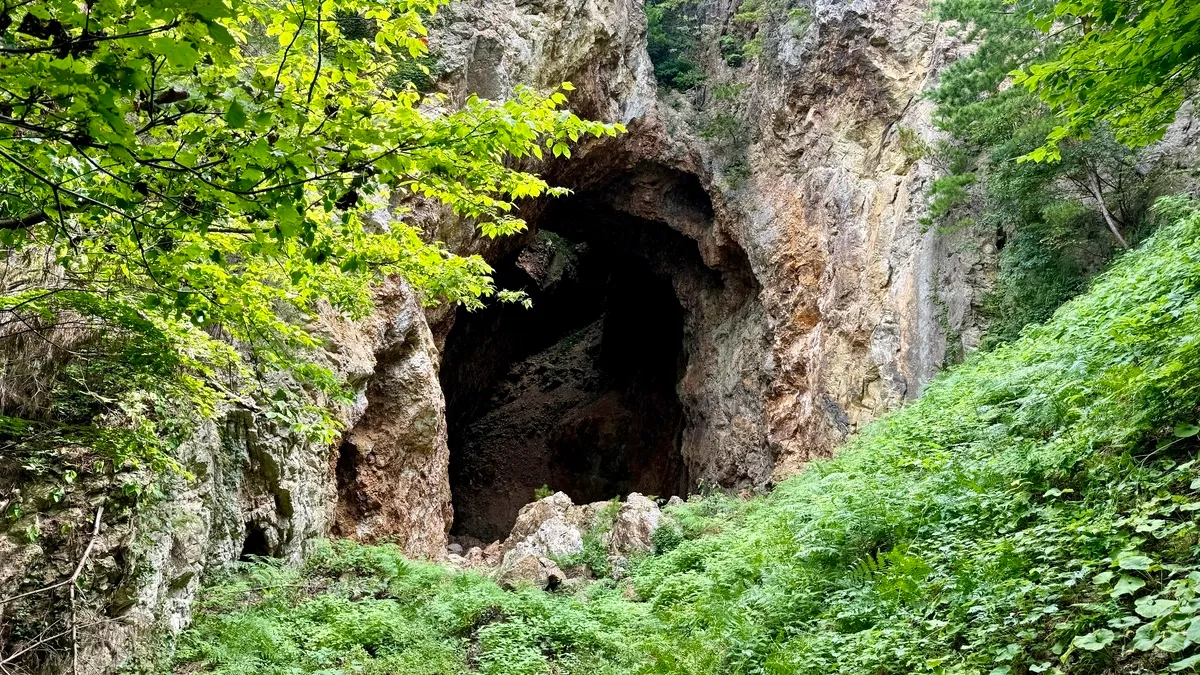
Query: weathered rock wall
[(252, 489), (863, 303), (857, 305)]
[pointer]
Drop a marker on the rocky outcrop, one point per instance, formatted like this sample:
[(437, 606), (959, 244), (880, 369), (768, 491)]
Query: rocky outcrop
[(533, 570), (634, 526), (251, 488), (553, 528), (391, 465), (813, 298), (832, 303), (864, 304), (552, 525)]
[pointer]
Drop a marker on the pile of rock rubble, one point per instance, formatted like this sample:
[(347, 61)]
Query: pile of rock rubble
[(553, 529)]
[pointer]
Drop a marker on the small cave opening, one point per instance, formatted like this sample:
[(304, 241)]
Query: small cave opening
[(578, 392), (255, 544), (352, 503)]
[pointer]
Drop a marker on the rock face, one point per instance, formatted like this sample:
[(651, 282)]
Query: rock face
[(813, 298), (864, 305), (254, 490), (391, 466), (553, 525)]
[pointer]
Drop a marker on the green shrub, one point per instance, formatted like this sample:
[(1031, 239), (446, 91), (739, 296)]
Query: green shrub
[(732, 48), (666, 538), (673, 40), (364, 609), (1034, 511)]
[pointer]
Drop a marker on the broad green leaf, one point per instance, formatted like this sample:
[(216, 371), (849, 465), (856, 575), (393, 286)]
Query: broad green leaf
[(1186, 430), (1153, 607), (1126, 584), (1173, 642), (235, 115), (1133, 561), (1094, 641), (1184, 664)]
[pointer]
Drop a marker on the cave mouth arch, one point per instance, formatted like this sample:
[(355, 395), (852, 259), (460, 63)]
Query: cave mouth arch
[(579, 392)]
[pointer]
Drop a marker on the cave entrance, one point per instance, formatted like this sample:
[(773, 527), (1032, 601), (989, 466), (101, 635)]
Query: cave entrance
[(579, 391)]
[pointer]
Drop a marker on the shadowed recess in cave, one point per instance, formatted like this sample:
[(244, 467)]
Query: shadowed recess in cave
[(579, 392), (255, 544)]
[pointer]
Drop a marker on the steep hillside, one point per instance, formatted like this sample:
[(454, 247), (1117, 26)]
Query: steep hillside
[(1034, 511)]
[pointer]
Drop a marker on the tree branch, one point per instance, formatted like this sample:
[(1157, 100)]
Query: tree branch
[(72, 45), (74, 584), (24, 222)]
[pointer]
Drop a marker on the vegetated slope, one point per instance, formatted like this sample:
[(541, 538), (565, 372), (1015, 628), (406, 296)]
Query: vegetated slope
[(1034, 511)]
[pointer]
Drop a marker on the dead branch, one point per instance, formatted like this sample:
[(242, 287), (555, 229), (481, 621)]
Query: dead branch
[(73, 582), (74, 585)]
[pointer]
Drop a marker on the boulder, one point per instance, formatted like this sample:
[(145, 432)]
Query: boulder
[(634, 526), (519, 569), (553, 525)]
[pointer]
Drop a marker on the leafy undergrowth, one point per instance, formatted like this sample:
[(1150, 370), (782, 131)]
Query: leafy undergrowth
[(1034, 512), (366, 609)]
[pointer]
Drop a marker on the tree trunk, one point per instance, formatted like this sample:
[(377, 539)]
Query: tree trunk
[(1098, 193)]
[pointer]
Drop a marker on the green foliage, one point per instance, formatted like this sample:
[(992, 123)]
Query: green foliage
[(673, 42), (1127, 64), (723, 127), (1035, 511), (363, 609), (1032, 501), (419, 73), (542, 492), (184, 185), (912, 145), (1033, 280), (750, 21), (732, 50), (728, 92), (1060, 221), (737, 172)]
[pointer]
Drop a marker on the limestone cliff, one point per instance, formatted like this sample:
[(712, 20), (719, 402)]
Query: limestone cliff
[(826, 301)]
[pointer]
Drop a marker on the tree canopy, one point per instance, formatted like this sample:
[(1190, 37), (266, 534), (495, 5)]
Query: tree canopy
[(183, 182), (1056, 223), (1128, 64)]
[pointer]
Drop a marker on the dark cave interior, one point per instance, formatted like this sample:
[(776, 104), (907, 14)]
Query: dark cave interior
[(578, 392)]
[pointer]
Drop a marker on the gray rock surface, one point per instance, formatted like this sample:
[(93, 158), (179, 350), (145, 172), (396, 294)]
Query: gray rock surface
[(534, 570), (550, 526), (634, 526)]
